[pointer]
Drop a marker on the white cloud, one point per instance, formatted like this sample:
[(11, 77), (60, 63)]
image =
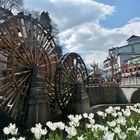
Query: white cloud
[(132, 27), (90, 36), (80, 29), (90, 57), (70, 13)]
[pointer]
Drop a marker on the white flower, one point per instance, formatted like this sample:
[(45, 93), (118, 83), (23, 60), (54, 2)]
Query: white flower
[(109, 110), (108, 136), (13, 138), (114, 114), (138, 105), (21, 138), (122, 135), (71, 117), (127, 112), (131, 129), (61, 125), (6, 131), (135, 105), (90, 116), (88, 125), (37, 134), (100, 113), (117, 108), (92, 121), (74, 121), (80, 138), (85, 115), (33, 129), (128, 107), (138, 132), (12, 128), (132, 108), (99, 127), (137, 110), (119, 113), (51, 125), (121, 120), (39, 125), (38, 131), (117, 130), (112, 123), (71, 131), (43, 131), (80, 116)]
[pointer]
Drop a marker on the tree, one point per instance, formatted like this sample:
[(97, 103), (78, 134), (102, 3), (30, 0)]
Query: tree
[(112, 59), (12, 4), (52, 28), (4, 14), (34, 13), (48, 23)]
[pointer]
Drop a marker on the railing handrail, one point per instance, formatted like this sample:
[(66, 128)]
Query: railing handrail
[(130, 81)]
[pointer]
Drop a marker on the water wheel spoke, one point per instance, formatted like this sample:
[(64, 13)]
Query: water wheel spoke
[(11, 103), (10, 75), (43, 40), (67, 76), (5, 86), (26, 46), (24, 38), (47, 44), (11, 34), (52, 56), (40, 60), (10, 52), (12, 48), (8, 95)]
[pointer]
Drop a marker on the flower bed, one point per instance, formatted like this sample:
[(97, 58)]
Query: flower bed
[(113, 124)]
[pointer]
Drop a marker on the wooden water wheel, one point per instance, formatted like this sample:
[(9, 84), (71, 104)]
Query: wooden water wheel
[(28, 57), (70, 71)]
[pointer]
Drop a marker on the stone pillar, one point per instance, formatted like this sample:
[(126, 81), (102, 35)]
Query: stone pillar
[(42, 106), (82, 99), (38, 105), (31, 114)]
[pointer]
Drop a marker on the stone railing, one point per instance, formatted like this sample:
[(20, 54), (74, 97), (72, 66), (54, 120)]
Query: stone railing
[(131, 81)]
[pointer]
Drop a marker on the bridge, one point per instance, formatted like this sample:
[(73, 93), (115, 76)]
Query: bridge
[(126, 91)]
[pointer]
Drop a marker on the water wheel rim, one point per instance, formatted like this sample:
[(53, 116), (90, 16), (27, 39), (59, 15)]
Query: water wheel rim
[(71, 67)]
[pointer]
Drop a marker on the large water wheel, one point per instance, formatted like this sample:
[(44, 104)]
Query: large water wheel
[(71, 70), (28, 57)]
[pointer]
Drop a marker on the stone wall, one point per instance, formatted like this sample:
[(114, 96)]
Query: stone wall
[(102, 95), (113, 95)]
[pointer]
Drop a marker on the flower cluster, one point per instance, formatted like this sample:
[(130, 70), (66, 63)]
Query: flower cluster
[(38, 131), (114, 123), (13, 131)]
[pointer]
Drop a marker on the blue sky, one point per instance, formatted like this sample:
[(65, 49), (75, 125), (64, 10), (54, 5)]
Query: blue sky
[(125, 10), (91, 27)]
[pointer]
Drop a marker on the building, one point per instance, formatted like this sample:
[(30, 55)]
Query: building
[(121, 55), (131, 67)]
